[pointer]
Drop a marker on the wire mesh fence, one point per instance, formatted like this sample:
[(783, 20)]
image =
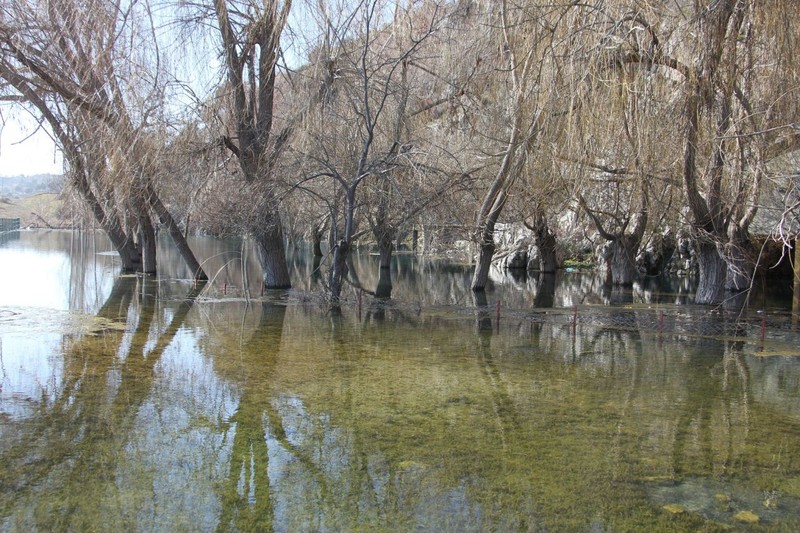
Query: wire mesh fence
[(675, 321)]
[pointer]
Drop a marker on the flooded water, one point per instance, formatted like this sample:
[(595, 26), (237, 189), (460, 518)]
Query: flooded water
[(138, 404)]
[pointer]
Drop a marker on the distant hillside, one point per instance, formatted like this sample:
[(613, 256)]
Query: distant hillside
[(36, 211), (12, 187)]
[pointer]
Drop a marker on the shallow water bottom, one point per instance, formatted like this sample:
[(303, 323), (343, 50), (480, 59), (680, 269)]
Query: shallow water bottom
[(251, 416), (150, 408)]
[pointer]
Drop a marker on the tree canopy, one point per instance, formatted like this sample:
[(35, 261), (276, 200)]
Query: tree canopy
[(609, 122)]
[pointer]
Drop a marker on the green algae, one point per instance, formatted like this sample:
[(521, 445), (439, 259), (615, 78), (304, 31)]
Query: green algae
[(746, 517)]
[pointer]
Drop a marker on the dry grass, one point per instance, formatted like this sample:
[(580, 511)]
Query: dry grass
[(39, 210)]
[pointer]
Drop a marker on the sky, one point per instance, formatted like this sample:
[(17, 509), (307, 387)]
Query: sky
[(26, 151), (23, 154)]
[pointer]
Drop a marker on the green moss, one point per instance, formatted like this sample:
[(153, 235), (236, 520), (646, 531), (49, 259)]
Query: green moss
[(578, 263), (746, 517)]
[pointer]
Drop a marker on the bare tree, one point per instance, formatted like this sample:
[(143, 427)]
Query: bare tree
[(735, 118), (734, 124), (250, 42), (357, 138), (87, 77)]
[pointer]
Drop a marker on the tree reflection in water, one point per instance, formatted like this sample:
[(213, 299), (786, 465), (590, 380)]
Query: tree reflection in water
[(275, 413), (64, 459)]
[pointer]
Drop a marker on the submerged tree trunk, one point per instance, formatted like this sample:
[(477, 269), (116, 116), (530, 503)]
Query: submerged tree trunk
[(316, 271), (341, 251), (545, 241), (165, 217), (490, 212), (712, 272), (481, 276), (384, 288), (129, 253), (548, 260), (338, 271), (623, 260), (484, 316), (545, 290), (316, 239), (147, 235), (268, 238), (385, 249)]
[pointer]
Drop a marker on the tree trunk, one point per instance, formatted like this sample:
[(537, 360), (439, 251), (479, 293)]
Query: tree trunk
[(316, 272), (712, 272), (316, 238), (149, 245), (739, 251), (338, 269), (384, 288), (341, 251), (129, 253), (481, 276), (385, 248), (268, 238), (484, 318), (545, 290), (623, 260), (545, 241), (177, 237)]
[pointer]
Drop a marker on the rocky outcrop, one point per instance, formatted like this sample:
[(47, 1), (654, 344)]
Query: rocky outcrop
[(657, 254)]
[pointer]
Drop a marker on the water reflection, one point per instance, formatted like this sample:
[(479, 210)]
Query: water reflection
[(61, 460), (428, 411)]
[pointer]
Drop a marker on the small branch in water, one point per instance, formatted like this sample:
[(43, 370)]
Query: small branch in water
[(574, 318)]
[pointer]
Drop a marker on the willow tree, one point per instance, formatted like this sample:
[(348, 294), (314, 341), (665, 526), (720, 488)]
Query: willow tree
[(615, 146), (734, 114), (250, 35), (737, 117), (523, 77), (92, 70)]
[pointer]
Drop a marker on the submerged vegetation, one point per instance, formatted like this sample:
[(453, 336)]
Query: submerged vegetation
[(273, 413)]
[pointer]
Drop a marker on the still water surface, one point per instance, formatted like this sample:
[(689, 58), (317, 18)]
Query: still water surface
[(138, 404)]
